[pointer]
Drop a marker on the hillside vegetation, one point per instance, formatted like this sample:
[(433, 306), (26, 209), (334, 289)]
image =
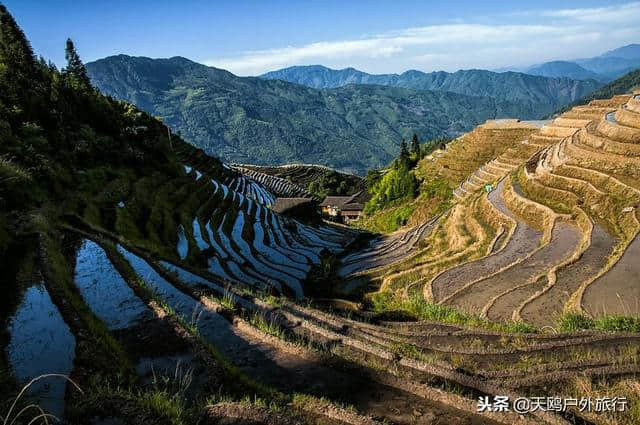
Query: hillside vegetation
[(535, 94), (622, 85), (352, 128), (319, 181), (162, 288)]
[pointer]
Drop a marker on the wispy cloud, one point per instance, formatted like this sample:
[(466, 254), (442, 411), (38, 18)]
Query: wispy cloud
[(544, 35)]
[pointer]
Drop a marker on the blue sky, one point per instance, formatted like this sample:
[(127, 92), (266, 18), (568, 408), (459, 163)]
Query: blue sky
[(252, 37)]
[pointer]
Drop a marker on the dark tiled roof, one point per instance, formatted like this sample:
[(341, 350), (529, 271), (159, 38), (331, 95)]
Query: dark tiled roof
[(284, 204), (353, 206), (335, 201), (361, 197)]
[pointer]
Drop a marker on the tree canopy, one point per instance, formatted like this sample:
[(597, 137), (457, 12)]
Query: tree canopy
[(75, 68)]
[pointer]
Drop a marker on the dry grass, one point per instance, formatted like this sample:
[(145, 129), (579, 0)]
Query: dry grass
[(10, 418)]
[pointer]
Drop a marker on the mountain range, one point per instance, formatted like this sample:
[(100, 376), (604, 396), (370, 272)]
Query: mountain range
[(536, 92), (353, 127), (606, 67)]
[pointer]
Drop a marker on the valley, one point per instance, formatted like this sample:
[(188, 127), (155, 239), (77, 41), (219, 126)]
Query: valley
[(352, 128)]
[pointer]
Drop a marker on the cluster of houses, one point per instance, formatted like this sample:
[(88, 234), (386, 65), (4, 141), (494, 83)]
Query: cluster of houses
[(341, 209)]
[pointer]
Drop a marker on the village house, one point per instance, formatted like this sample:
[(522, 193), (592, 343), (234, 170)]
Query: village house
[(344, 209)]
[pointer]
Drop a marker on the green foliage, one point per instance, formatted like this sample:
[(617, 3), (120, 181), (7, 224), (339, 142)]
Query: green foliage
[(266, 325), (436, 187), (54, 126), (622, 85), (330, 184), (433, 144), (390, 219), (394, 189), (352, 128), (618, 324), (572, 322), (415, 147), (75, 69), (539, 93), (398, 183)]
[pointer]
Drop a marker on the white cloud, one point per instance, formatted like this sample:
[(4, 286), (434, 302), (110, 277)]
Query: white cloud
[(552, 34)]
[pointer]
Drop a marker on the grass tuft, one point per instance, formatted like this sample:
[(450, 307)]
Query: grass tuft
[(417, 308), (574, 322)]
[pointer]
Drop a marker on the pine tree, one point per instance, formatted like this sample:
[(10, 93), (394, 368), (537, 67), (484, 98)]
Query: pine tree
[(75, 67), (415, 146), (404, 152), (17, 66), (403, 159)]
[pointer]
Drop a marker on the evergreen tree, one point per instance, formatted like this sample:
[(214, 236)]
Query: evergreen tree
[(17, 67), (75, 67), (415, 146), (403, 158)]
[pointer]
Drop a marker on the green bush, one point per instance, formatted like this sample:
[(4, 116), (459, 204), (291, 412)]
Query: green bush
[(572, 322)]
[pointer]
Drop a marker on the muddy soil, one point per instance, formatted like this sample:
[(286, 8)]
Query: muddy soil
[(296, 374), (387, 253), (546, 309), (617, 291), (291, 373), (565, 239), (504, 306), (524, 240)]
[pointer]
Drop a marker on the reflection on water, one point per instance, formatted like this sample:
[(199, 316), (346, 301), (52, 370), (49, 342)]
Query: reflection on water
[(41, 343), (104, 290), (183, 244)]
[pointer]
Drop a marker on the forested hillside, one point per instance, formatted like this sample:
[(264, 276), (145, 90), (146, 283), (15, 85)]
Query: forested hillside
[(622, 85), (536, 94), (267, 122)]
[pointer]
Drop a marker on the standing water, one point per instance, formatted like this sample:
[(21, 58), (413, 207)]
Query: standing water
[(95, 276), (183, 244), (41, 343)]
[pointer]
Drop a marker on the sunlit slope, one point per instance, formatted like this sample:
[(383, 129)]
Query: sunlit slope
[(556, 233)]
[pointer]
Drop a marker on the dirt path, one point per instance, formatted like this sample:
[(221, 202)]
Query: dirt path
[(524, 240)]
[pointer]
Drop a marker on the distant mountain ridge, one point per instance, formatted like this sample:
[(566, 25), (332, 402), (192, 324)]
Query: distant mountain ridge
[(605, 67), (625, 84), (559, 69), (540, 93), (269, 122)]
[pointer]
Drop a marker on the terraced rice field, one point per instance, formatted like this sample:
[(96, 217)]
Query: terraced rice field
[(210, 289), (303, 174), (141, 290), (565, 207)]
